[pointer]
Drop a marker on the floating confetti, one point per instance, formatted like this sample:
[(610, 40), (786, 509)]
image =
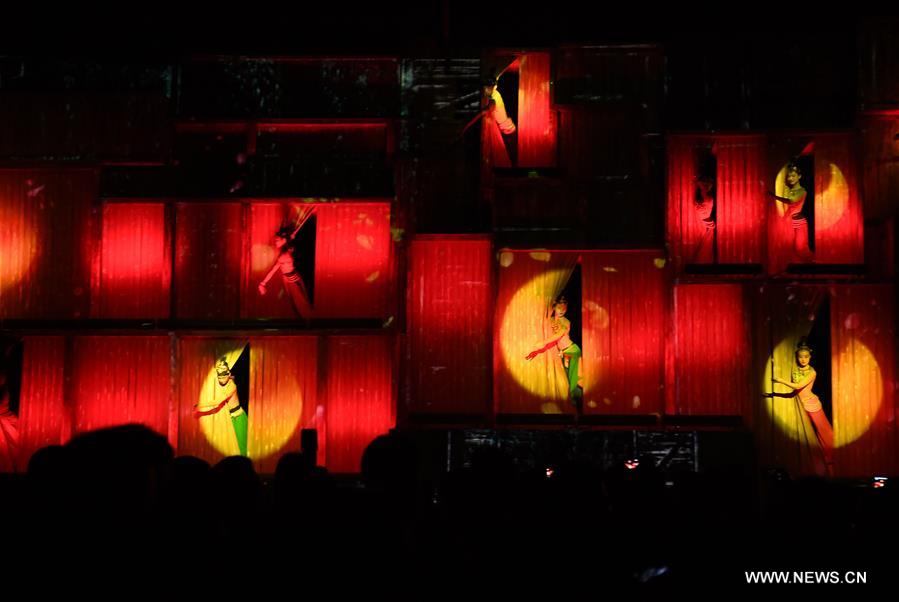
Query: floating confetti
[(366, 242)]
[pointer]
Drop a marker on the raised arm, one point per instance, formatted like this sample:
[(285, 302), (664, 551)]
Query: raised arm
[(549, 343)]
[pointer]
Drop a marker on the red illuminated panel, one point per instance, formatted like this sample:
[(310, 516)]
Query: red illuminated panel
[(537, 121), (448, 318), (623, 312), (740, 199), (46, 244), (711, 339), (863, 373), (685, 231), (44, 418), (353, 271), (121, 380), (359, 397), (135, 271), (208, 251), (839, 228)]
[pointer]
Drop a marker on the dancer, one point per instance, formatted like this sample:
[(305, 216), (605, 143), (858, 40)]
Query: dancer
[(794, 197), (492, 104), (293, 283), (569, 353), (802, 377), (704, 204), (225, 395)]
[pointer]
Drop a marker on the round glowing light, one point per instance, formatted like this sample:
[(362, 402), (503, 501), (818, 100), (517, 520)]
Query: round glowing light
[(659, 262), (262, 256), (544, 256), (506, 258), (17, 247)]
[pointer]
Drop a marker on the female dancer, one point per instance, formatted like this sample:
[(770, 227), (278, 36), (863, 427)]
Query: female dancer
[(569, 353), (284, 243), (225, 395), (801, 380), (794, 197)]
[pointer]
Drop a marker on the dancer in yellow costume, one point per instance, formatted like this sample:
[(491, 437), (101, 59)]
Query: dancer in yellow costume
[(569, 352), (225, 396)]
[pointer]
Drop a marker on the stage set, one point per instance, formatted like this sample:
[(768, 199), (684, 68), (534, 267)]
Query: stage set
[(543, 251)]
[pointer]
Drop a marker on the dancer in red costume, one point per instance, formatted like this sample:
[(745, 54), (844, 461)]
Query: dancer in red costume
[(704, 204), (794, 196), (802, 377), (293, 283)]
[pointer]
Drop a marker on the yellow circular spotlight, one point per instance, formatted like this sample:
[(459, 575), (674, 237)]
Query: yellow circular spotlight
[(262, 256), (521, 329)]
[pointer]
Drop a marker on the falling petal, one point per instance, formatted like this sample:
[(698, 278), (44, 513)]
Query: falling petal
[(372, 277)]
